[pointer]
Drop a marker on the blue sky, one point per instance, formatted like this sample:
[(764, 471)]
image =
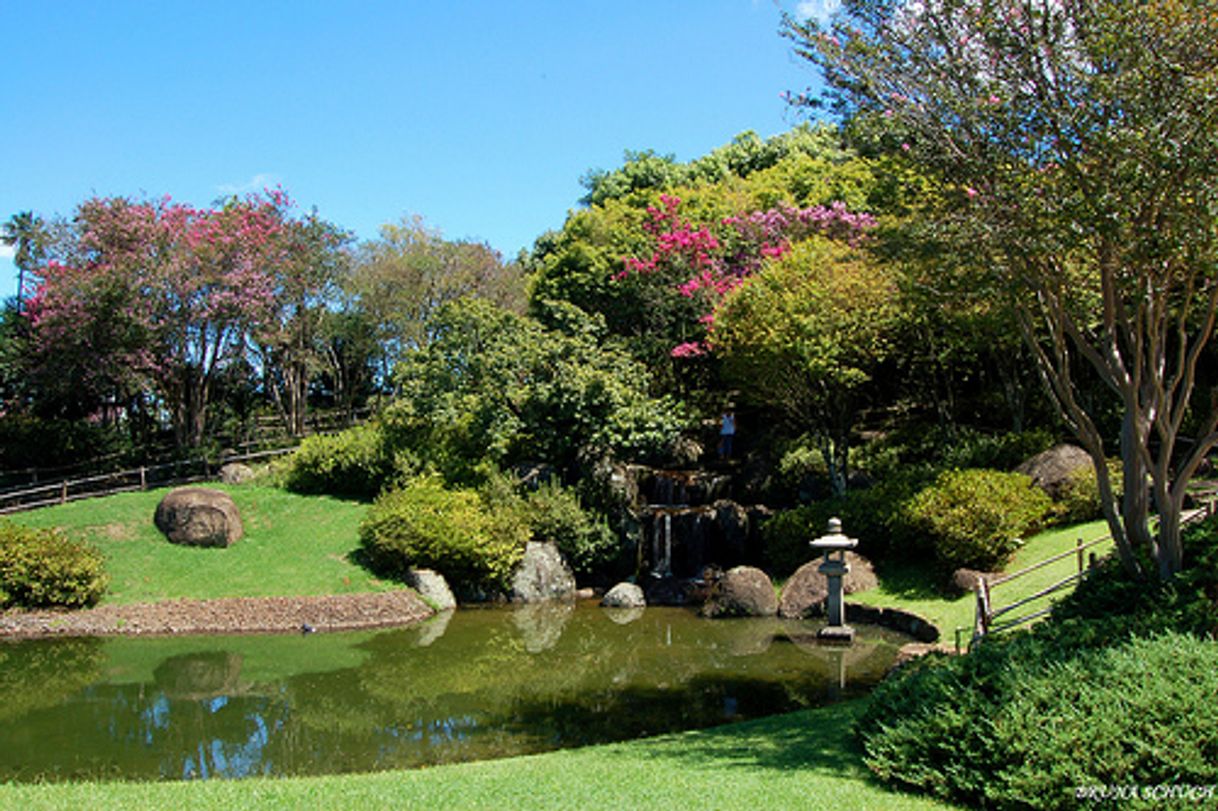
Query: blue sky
[(479, 116)]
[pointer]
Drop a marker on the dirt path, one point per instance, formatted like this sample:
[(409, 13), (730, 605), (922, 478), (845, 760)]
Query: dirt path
[(235, 615)]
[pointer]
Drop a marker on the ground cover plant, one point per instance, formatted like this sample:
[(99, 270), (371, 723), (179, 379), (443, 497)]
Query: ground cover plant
[(1116, 689), (293, 545)]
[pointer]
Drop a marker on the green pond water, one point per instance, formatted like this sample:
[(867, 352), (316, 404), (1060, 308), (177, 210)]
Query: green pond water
[(469, 685)]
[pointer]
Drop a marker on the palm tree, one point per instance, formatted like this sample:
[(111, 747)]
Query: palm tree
[(24, 232)]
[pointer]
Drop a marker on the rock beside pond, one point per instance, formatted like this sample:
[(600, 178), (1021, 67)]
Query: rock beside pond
[(432, 587), (964, 580), (744, 591), (199, 516), (542, 575), (236, 473), (805, 591), (1051, 470), (624, 595)]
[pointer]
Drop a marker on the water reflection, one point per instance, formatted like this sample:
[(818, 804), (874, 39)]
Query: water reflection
[(466, 685)]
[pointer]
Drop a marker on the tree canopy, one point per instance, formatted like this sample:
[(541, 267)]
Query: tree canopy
[(1073, 143)]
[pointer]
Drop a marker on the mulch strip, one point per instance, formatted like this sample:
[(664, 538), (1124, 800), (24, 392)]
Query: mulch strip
[(233, 615)]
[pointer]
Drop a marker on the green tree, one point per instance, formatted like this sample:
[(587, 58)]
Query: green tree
[(26, 234), (1075, 141), (806, 336), (402, 279), (493, 387)]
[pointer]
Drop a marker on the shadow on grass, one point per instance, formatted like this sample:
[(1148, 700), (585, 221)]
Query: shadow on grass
[(821, 740), (912, 580)]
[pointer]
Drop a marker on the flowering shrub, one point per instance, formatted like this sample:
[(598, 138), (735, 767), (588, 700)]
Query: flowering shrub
[(706, 266)]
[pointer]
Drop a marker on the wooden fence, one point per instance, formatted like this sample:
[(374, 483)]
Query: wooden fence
[(264, 432), (991, 620), (124, 481)]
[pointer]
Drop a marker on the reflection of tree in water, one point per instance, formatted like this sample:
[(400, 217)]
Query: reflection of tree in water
[(490, 683), (45, 673)]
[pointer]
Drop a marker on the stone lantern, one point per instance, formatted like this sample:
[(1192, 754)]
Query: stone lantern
[(834, 544)]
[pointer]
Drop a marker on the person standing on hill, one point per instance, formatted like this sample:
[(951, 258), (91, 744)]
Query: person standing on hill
[(727, 433)]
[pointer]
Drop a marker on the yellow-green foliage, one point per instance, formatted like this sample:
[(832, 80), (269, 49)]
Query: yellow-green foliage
[(355, 462), (42, 568), (977, 518), (424, 525)]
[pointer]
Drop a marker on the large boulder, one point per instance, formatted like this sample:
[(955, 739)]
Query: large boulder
[(1051, 470), (199, 516), (805, 591), (744, 591), (432, 587), (542, 575), (624, 595)]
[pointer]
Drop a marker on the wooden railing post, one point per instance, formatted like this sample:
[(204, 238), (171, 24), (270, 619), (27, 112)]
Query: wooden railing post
[(63, 492), (981, 623), (1078, 545), (143, 478)]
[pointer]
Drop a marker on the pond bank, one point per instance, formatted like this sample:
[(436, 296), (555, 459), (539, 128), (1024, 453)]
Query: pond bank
[(232, 615)]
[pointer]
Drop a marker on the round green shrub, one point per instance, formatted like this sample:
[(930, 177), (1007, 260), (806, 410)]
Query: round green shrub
[(1080, 497), (42, 568), (977, 518), (355, 462), (555, 515), (424, 525)]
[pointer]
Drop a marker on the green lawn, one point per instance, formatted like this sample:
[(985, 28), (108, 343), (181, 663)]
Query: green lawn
[(293, 545), (912, 587), (805, 760)]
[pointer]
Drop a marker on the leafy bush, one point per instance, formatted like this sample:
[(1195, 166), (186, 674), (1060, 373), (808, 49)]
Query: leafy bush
[(1080, 498), (555, 515), (427, 526), (875, 515), (355, 462), (977, 518), (43, 569), (1116, 689), (1022, 723)]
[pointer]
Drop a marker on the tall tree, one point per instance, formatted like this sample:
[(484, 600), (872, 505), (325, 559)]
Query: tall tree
[(1076, 139), (807, 336), (25, 233), (402, 280)]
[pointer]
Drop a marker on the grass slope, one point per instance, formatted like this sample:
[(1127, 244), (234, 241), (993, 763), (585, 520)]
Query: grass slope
[(806, 760), (912, 588), (293, 545)]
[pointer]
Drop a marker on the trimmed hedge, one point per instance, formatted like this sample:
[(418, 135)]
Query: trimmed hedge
[(355, 462), (424, 525), (42, 568), (977, 518)]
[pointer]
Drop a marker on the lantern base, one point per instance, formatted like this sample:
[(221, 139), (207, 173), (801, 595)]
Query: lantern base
[(836, 634)]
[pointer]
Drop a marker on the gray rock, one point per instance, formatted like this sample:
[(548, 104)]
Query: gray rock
[(966, 579), (805, 592), (542, 575), (199, 516), (236, 473), (744, 591), (624, 595), (1052, 469), (432, 587)]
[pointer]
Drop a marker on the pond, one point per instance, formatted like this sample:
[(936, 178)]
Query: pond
[(466, 685)]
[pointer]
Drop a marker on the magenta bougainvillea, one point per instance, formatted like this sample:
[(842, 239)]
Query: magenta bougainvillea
[(707, 265)]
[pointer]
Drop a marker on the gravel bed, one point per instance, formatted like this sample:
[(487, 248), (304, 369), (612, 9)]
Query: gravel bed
[(234, 615)]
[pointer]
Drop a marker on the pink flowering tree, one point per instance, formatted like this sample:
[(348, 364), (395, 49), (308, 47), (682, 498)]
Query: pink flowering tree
[(158, 296), (693, 267)]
